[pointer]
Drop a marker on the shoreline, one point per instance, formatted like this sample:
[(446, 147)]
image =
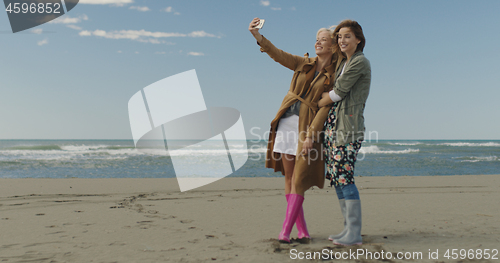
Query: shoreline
[(237, 219)]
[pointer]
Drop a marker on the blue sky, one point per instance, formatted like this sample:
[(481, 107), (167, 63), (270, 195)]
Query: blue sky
[(434, 64)]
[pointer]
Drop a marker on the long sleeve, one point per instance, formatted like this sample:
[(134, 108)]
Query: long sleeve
[(314, 130), (334, 97), (353, 71), (284, 58)]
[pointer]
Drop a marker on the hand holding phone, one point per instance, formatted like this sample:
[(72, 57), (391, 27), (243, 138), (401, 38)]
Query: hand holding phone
[(261, 24), (254, 27)]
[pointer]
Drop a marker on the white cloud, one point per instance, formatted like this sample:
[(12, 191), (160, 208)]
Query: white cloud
[(100, 33), (201, 34), (43, 42), (265, 2), (69, 20), (143, 35), (169, 10), (151, 40), (85, 33), (74, 27), (161, 53), (195, 54), (268, 3), (119, 51), (106, 2), (293, 8), (37, 31), (140, 8)]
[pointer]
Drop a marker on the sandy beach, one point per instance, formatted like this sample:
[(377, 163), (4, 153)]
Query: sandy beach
[(239, 219)]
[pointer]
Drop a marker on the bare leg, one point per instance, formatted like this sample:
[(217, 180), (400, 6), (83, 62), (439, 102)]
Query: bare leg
[(288, 165), (293, 190)]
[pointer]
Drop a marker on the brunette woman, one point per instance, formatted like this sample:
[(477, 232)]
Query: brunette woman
[(345, 128)]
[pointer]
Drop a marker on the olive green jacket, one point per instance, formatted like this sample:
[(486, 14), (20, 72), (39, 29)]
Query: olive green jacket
[(353, 87)]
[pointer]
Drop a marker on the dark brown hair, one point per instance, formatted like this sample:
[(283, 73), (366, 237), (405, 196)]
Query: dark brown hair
[(355, 28)]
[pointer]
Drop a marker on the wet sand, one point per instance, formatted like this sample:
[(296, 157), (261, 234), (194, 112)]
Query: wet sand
[(239, 219)]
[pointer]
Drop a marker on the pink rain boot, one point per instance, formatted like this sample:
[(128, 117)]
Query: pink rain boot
[(292, 212), (303, 234)]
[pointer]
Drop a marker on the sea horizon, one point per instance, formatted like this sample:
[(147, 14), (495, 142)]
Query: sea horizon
[(118, 158)]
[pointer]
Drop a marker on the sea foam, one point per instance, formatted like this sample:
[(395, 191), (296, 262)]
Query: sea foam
[(373, 149)]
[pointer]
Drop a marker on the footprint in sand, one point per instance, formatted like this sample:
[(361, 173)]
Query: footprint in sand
[(152, 216), (8, 246), (145, 224), (118, 243), (19, 204)]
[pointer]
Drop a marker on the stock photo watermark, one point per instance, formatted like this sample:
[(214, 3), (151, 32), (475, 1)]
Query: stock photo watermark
[(170, 116), (26, 14), (260, 135), (365, 254)]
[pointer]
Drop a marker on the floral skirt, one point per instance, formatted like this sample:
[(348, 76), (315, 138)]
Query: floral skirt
[(339, 160)]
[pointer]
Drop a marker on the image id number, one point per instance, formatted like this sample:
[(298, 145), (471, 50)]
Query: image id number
[(33, 8), (471, 254)]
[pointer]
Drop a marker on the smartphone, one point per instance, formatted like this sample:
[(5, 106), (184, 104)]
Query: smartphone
[(261, 24)]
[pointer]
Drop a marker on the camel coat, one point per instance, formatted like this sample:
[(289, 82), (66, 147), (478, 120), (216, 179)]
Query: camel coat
[(309, 169)]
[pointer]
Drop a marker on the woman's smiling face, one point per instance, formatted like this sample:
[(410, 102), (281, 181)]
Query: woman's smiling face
[(347, 41), (323, 43)]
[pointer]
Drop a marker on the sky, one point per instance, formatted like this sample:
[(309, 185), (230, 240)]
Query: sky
[(435, 70)]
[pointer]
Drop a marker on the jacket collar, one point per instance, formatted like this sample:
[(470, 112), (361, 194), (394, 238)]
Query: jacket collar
[(356, 54), (330, 69), (337, 74), (330, 73), (310, 65)]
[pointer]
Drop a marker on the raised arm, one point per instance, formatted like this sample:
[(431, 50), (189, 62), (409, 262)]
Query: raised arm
[(255, 31), (286, 59)]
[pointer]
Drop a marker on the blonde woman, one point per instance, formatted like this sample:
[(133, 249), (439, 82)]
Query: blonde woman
[(294, 146)]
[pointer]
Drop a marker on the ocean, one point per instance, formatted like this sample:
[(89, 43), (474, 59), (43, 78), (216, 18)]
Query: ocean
[(120, 159)]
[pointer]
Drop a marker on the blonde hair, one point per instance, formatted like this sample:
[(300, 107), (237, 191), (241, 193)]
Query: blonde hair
[(337, 55), (330, 31)]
